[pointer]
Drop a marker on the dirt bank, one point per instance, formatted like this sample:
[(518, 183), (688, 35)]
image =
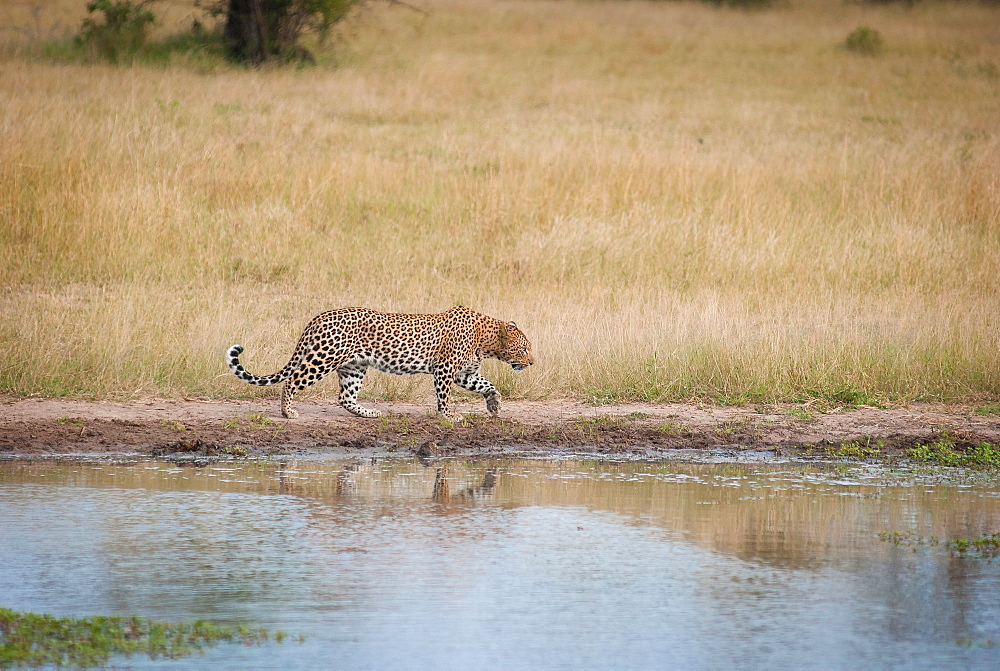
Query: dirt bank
[(46, 427)]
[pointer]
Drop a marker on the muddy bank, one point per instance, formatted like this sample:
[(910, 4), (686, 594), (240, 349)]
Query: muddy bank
[(46, 427)]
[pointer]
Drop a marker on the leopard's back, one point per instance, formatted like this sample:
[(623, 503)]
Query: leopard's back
[(400, 344)]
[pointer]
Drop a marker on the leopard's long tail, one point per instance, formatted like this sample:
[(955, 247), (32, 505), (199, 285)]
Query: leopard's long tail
[(233, 358)]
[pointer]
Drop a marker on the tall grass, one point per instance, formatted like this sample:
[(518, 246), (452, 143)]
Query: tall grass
[(673, 200)]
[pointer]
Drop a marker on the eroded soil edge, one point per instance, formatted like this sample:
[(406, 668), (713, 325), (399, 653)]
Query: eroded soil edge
[(161, 428)]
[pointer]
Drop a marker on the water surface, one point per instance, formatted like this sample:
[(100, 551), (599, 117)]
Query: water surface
[(396, 564)]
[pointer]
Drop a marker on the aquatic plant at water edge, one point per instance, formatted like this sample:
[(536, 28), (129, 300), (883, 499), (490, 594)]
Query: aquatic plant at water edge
[(30, 639), (977, 547), (948, 452)]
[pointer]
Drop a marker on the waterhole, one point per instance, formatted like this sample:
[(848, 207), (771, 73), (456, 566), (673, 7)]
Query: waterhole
[(515, 564)]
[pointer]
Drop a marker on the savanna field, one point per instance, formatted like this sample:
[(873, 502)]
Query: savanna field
[(674, 200)]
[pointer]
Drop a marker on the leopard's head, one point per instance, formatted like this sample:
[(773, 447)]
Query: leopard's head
[(514, 347)]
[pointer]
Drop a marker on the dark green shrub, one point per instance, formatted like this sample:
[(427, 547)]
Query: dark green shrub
[(864, 40), (121, 32)]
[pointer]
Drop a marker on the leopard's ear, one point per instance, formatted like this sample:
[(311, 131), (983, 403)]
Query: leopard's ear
[(505, 331)]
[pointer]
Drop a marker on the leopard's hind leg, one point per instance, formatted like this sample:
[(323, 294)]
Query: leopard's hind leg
[(311, 371), (352, 376), (444, 378)]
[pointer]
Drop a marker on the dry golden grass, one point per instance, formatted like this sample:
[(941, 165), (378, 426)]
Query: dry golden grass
[(674, 201)]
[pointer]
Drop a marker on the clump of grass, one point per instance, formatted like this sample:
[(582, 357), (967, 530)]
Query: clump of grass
[(803, 413), (32, 640), (390, 423), (864, 40), (862, 448), (948, 452), (253, 420), (259, 420), (602, 421), (671, 428)]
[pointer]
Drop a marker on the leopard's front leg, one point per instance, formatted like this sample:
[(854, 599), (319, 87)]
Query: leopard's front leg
[(473, 381), (444, 377)]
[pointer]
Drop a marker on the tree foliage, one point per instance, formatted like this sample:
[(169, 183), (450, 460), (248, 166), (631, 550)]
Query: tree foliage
[(116, 28), (262, 30)]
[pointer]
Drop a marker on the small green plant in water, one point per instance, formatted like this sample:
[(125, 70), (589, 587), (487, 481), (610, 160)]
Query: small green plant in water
[(986, 547), (29, 639), (983, 547), (906, 538)]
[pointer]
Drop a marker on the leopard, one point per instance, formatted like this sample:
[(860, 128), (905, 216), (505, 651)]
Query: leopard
[(449, 345)]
